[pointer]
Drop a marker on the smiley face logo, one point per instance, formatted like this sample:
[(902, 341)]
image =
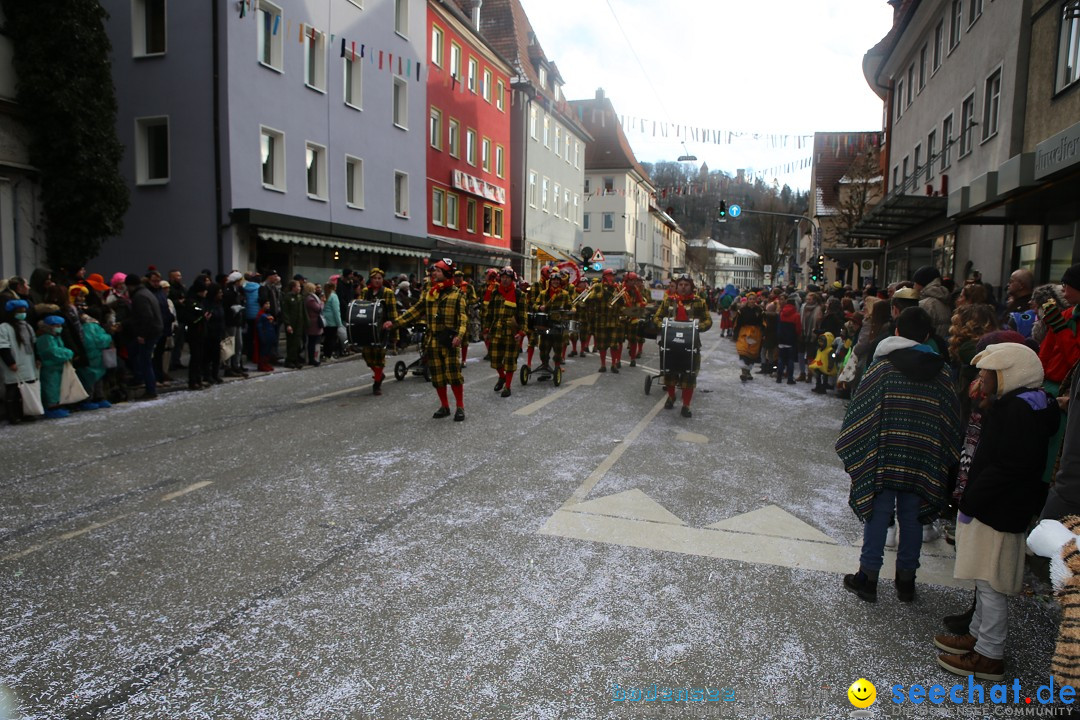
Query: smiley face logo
[(862, 693)]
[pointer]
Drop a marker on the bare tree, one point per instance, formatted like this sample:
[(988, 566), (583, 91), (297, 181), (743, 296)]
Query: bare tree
[(859, 192)]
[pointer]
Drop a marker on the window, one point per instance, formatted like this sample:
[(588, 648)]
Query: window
[(148, 27), (152, 151), (271, 35), (470, 215), (500, 161), (609, 222), (899, 98), (401, 17), (354, 182), (585, 222), (470, 146), (498, 222), (1068, 62), (485, 88), (910, 83), (975, 8), (967, 120), (401, 194), (354, 73), (577, 154), (455, 60), (916, 168), (314, 59), (532, 188), (922, 66), (544, 195), (532, 122), (489, 217), (485, 154), (904, 171), (542, 74), (566, 204), (401, 103), (438, 206), (436, 45), (931, 151), (557, 198), (577, 205), (609, 185), (547, 131), (500, 96), (587, 183), (567, 153), (471, 79), (939, 44), (991, 105), (451, 211), (946, 142), (455, 138), (272, 151), (896, 178), (315, 162), (956, 18), (558, 140), (436, 129)]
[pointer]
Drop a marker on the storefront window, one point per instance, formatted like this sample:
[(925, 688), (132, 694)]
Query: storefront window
[(944, 255), (1061, 257), (1026, 257)]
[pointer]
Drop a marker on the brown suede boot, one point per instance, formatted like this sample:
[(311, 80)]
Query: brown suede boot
[(972, 663)]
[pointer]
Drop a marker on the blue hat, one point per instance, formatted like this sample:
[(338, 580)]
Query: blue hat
[(13, 305), (53, 320)]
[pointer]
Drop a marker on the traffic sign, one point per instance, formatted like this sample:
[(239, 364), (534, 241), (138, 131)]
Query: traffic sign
[(598, 257), (597, 266), (734, 211), (768, 269)]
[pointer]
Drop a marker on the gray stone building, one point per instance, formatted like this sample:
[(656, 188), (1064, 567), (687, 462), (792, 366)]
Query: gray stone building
[(271, 135)]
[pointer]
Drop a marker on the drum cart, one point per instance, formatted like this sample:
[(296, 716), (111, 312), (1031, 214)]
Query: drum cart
[(678, 348), (546, 325)]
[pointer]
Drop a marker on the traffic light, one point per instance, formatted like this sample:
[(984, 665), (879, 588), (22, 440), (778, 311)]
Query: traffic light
[(722, 210)]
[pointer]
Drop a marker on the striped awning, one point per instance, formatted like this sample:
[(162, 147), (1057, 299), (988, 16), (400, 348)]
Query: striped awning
[(341, 244)]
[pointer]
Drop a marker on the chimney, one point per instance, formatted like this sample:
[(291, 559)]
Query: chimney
[(476, 14), (599, 93)]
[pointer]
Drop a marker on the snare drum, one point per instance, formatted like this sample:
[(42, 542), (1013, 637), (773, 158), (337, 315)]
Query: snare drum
[(364, 322), (573, 327), (539, 320), (678, 346)]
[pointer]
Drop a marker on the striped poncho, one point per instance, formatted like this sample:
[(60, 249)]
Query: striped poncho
[(901, 431)]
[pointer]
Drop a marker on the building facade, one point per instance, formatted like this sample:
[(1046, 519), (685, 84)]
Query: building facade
[(272, 135)]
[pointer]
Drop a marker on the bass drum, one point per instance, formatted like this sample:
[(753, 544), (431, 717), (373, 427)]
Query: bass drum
[(364, 321), (678, 346)]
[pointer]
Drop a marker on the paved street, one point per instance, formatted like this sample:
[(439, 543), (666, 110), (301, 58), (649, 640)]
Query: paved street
[(289, 546)]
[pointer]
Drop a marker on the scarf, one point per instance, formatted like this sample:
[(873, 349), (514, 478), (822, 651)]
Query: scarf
[(552, 292), (439, 288), (491, 287), (680, 311), (509, 296)]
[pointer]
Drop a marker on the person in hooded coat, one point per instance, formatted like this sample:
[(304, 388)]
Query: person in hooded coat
[(898, 442), (1004, 491), (17, 354), (788, 334), (53, 355), (934, 298)]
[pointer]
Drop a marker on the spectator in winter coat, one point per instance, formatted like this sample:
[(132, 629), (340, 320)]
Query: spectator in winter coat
[(52, 355), (194, 316), (313, 305), (788, 334), (810, 317), (295, 321), (331, 315), (234, 300), (1004, 490), (934, 299), (17, 364), (266, 348), (146, 327), (95, 341)]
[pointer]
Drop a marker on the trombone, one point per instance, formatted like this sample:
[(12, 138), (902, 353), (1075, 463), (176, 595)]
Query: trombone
[(584, 294), (618, 296)]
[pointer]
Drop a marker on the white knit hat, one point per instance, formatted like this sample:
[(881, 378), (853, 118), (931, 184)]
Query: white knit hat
[(1017, 366)]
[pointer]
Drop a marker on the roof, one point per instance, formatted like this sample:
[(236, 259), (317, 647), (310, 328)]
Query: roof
[(504, 24), (609, 150), (875, 57), (834, 152)]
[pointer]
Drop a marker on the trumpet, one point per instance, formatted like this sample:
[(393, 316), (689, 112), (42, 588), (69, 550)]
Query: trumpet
[(618, 296), (584, 294)]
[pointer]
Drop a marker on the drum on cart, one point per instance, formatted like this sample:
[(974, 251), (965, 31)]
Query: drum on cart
[(573, 327), (364, 321), (538, 321), (678, 346)]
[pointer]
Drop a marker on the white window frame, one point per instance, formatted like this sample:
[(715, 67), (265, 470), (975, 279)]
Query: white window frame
[(956, 23), (924, 58), (608, 222), (545, 186), (975, 11), (585, 222), (577, 155), (453, 138), (991, 116), (609, 184), (500, 161), (588, 185), (910, 85), (898, 99), (557, 198), (916, 168), (577, 207), (400, 101), (314, 59), (533, 122), (438, 206), (547, 131), (453, 210), (485, 85), (268, 14), (470, 74), (558, 140), (353, 82), (485, 154), (354, 175), (967, 120), (487, 220), (140, 29), (931, 150), (532, 188), (568, 159), (401, 194), (948, 127), (939, 46), (566, 204), (542, 74), (455, 60), (497, 222), (437, 41), (470, 146), (1068, 57), (277, 150), (500, 95), (401, 17), (143, 147), (318, 152), (435, 128)]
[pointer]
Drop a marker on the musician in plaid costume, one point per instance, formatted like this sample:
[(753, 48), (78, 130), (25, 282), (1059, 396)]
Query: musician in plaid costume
[(375, 355), (504, 326), (684, 305), (471, 299), (607, 316), (582, 318), (535, 291), (442, 307), (635, 324), (556, 302), (491, 283)]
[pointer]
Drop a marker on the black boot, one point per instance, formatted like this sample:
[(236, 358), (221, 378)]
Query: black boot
[(960, 623), (863, 585), (905, 585)]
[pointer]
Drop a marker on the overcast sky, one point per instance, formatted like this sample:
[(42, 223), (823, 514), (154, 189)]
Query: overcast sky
[(764, 66)]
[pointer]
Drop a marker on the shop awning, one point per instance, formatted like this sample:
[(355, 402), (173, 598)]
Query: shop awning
[(341, 244), (468, 251), (855, 253), (557, 253), (897, 214)]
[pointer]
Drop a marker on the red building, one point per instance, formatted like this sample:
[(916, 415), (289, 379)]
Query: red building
[(468, 157)]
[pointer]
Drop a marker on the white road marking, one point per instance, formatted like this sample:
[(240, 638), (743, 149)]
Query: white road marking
[(185, 491), (60, 538), (346, 391), (552, 397)]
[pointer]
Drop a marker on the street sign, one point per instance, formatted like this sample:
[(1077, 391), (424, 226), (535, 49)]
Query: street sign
[(598, 257), (768, 269), (768, 279), (734, 211), (597, 266)]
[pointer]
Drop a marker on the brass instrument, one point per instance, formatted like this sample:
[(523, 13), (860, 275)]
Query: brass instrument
[(618, 296), (584, 294)]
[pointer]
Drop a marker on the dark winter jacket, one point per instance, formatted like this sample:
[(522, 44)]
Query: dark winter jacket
[(146, 314), (789, 327), (1005, 488)]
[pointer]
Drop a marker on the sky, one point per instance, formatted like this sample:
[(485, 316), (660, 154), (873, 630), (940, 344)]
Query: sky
[(773, 67)]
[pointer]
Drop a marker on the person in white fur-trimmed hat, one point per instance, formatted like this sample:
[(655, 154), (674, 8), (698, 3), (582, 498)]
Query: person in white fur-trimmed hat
[(1004, 491)]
